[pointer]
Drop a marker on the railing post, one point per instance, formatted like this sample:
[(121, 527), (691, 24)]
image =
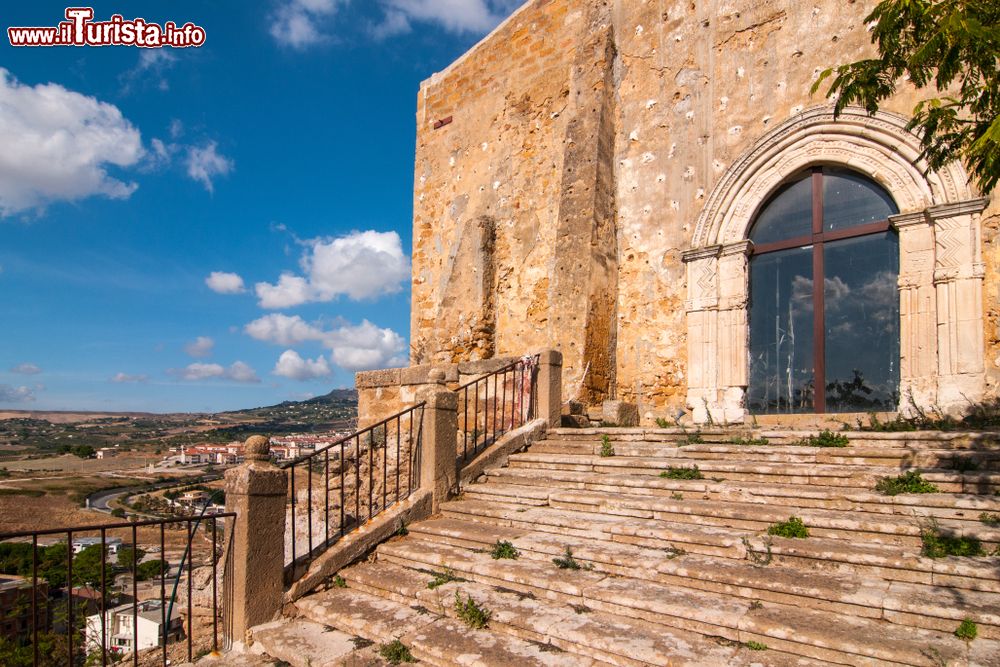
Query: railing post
[(550, 387), (439, 448), (257, 492)]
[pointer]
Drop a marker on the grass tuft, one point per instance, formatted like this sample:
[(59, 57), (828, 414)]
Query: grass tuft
[(791, 528), (990, 519), (940, 544), (908, 482), (442, 578), (395, 652), (606, 447), (756, 646), (338, 582), (504, 549), (566, 561), (826, 439), (967, 630), (749, 442), (682, 473), (471, 613)]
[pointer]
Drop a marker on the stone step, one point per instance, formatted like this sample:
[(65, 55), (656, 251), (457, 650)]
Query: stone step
[(847, 476), (917, 605), (814, 634), (897, 457), (851, 525), (431, 637), (301, 642), (960, 440), (963, 507), (605, 637), (891, 563)]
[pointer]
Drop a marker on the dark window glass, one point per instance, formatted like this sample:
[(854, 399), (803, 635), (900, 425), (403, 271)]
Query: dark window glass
[(781, 332), (850, 199), (787, 215), (862, 323)]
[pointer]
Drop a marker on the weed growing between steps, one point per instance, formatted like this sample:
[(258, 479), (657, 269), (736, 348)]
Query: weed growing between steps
[(338, 582), (695, 439), (504, 549), (791, 528), (749, 442), (395, 652), (990, 519), (826, 439), (758, 558), (682, 473), (756, 646), (967, 630), (442, 578), (676, 496), (908, 482), (360, 643), (939, 544), (402, 531), (567, 562), (606, 448), (471, 613), (755, 605), (673, 552)]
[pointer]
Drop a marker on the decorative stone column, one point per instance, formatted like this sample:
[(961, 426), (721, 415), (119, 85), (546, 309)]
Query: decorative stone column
[(958, 283), (439, 447), (550, 387), (717, 278), (917, 312), (257, 492)]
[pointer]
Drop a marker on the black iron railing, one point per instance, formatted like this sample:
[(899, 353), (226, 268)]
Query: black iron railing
[(495, 404), (357, 477), (70, 592)]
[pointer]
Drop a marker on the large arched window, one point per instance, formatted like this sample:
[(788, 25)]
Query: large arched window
[(824, 305)]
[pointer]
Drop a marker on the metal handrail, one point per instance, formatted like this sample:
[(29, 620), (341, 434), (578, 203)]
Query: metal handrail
[(521, 378), (413, 434), (133, 527)]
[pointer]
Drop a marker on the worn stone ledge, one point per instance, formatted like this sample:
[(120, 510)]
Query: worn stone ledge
[(355, 545), (421, 374), (497, 455), (386, 377)]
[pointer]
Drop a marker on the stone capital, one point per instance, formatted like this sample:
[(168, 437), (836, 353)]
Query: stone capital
[(907, 220), (438, 398), (694, 254), (550, 357), (954, 209)]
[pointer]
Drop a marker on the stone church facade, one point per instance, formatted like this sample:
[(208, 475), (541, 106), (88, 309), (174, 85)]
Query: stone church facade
[(649, 187)]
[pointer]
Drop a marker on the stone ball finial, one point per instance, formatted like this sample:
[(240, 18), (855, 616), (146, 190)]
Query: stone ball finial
[(436, 376), (257, 448)]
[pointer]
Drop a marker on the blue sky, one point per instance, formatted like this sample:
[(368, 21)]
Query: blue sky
[(220, 227)]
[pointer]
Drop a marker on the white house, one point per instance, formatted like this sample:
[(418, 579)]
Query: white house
[(112, 544), (118, 628)]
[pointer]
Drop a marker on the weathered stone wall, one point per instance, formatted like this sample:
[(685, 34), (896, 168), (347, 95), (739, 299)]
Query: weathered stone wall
[(587, 137)]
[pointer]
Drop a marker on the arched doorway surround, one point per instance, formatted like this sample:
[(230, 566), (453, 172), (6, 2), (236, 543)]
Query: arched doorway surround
[(940, 264)]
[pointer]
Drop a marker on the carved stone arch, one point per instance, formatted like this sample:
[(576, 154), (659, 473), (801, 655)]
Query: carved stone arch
[(940, 259)]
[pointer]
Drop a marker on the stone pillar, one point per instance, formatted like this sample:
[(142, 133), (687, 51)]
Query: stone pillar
[(917, 313), (257, 492), (958, 283), (550, 387), (439, 445)]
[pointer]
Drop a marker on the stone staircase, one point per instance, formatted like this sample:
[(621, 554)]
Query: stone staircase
[(681, 571)]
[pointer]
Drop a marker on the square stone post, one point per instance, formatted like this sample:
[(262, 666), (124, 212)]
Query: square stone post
[(257, 492), (439, 448), (550, 387)]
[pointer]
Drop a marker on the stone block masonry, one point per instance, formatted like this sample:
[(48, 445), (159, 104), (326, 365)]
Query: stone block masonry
[(586, 193)]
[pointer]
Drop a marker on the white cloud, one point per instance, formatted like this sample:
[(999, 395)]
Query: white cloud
[(200, 347), (459, 16), (205, 163), (353, 347), (291, 365), (125, 378), (26, 369), (238, 372), (58, 144), (365, 346), (297, 22), (225, 283), (361, 265), (283, 330), (9, 394)]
